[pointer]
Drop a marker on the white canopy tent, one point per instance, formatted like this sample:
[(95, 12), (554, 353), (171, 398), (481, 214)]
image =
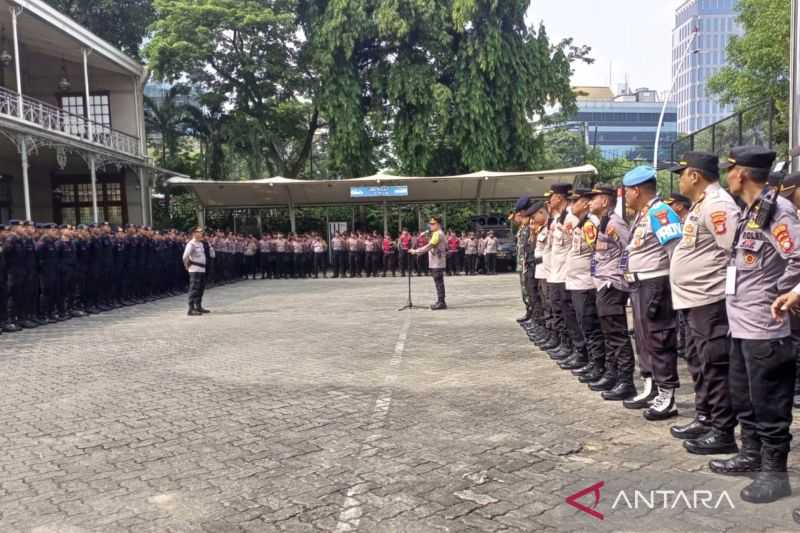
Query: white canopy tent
[(292, 193)]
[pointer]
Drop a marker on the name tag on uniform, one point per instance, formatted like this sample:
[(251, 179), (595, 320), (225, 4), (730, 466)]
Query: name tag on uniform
[(730, 281)]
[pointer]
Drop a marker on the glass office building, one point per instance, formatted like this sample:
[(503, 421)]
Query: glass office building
[(714, 23)]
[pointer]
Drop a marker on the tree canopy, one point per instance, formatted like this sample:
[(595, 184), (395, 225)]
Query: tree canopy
[(431, 86), (123, 23)]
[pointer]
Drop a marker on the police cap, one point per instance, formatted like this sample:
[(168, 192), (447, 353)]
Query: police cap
[(639, 175), (603, 188), (561, 188), (676, 198), (755, 157), (790, 184), (523, 203), (535, 206), (706, 162)]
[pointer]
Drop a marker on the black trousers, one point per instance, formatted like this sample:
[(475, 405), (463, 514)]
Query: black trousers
[(404, 262), (708, 358), (319, 265), (656, 331), (353, 264), (452, 263), (339, 263), (197, 287), (533, 294), (585, 304), (389, 263), (547, 314), (422, 264), (569, 320), (470, 261), (491, 263), (761, 389), (438, 281), (614, 324)]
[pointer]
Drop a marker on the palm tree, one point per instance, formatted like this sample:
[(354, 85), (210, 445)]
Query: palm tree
[(166, 116), (209, 125)]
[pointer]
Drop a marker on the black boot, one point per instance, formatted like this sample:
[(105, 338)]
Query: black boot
[(623, 390), (525, 318), (193, 310), (715, 442), (644, 398), (693, 430), (439, 306), (663, 406), (747, 461), (577, 360), (606, 382), (772, 483)]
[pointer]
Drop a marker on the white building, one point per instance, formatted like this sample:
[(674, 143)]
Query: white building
[(704, 27), (62, 160)]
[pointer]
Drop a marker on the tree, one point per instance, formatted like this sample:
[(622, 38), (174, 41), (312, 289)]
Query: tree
[(166, 116), (209, 125), (758, 61), (246, 50), (123, 23)]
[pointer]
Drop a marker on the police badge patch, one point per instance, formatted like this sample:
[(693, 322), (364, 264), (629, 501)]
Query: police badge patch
[(720, 221), (784, 238)]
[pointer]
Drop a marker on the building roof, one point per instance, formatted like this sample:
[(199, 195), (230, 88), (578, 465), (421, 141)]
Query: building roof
[(282, 192), (65, 26), (593, 93)]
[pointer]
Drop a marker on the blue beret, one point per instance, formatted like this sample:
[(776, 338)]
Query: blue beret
[(14, 222), (522, 204), (639, 175)]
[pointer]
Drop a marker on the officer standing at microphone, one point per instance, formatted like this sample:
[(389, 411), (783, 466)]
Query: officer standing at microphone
[(436, 247)]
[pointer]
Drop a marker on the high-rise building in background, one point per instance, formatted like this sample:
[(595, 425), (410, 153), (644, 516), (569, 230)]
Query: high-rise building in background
[(714, 22), (624, 125)]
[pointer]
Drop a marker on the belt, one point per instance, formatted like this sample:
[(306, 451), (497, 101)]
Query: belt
[(201, 265), (632, 277)]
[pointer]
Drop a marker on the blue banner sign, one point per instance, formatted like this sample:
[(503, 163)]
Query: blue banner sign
[(379, 192)]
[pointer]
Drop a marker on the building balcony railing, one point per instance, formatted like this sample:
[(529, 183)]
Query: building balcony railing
[(56, 120)]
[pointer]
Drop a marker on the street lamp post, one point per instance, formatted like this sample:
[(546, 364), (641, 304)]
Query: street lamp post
[(681, 68)]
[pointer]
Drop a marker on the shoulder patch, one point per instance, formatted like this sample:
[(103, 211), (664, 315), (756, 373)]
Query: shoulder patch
[(784, 238), (720, 221)]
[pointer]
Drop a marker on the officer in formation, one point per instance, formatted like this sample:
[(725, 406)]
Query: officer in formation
[(51, 273), (729, 267)]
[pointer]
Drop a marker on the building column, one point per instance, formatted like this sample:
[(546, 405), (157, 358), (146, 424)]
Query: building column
[(143, 195), (399, 219), (794, 101), (385, 218), (26, 188), (15, 11), (93, 175), (89, 125), (201, 217), (419, 219), (292, 217), (444, 217)]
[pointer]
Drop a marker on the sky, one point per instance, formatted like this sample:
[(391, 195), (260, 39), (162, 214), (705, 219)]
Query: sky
[(632, 37)]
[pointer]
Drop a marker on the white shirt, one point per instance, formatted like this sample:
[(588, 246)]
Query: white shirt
[(194, 256)]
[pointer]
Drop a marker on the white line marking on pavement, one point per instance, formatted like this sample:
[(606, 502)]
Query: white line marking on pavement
[(350, 515)]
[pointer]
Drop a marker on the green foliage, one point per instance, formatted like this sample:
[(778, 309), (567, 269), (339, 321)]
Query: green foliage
[(166, 117), (248, 51), (123, 23), (758, 61)]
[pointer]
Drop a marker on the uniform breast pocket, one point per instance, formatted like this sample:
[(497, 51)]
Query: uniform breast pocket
[(749, 255)]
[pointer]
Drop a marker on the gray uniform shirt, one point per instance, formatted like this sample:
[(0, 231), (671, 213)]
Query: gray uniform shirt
[(194, 256), (767, 264), (437, 250), (579, 257), (560, 243), (697, 270), (608, 250), (645, 254)]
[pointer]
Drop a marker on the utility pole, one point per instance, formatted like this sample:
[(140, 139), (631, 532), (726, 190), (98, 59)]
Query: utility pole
[(794, 98)]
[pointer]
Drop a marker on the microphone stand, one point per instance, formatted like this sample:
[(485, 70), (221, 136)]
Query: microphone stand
[(409, 304)]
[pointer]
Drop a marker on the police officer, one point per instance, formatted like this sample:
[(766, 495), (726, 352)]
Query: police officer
[(523, 237), (339, 255), (546, 337), (656, 230), (436, 249), (765, 263), (403, 247), (194, 259), (558, 246), (581, 288), (612, 237), (535, 218), (697, 278)]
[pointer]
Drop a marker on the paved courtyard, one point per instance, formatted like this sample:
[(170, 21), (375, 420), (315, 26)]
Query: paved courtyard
[(316, 406)]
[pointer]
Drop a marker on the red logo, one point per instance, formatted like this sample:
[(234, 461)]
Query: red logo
[(591, 511)]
